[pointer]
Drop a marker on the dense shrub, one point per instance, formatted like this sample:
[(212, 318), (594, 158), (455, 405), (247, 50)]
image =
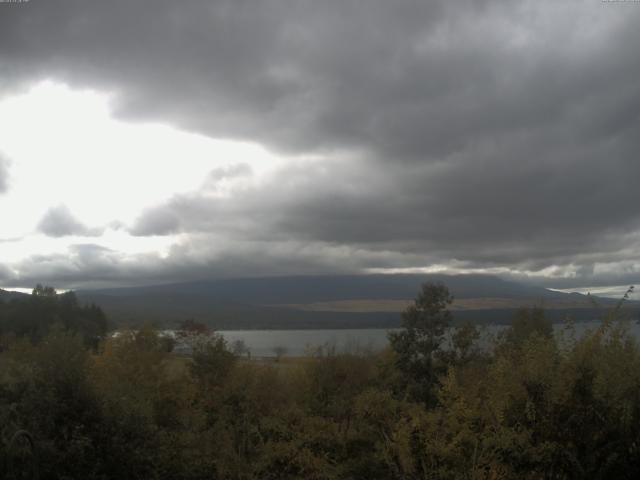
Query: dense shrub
[(529, 405)]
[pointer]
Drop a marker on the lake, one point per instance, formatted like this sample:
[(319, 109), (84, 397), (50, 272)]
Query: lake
[(262, 343)]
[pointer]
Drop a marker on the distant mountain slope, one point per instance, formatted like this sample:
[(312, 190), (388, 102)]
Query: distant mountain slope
[(323, 301), (459, 304), (304, 289), (7, 295)]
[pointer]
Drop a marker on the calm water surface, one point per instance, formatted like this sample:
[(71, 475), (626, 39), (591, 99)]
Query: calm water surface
[(262, 343)]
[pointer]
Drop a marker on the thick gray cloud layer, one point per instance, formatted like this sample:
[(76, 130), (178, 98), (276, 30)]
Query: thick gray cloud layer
[(492, 134), (60, 222)]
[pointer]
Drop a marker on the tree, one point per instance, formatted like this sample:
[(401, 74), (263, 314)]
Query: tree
[(462, 348), (33, 316), (190, 335), (279, 351), (417, 344), (212, 362), (193, 327), (45, 291), (526, 322), (239, 348)]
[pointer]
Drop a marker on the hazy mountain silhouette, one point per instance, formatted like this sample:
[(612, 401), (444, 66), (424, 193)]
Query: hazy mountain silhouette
[(279, 302), (8, 295)]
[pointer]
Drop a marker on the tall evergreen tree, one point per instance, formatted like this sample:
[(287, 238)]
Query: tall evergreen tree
[(416, 346)]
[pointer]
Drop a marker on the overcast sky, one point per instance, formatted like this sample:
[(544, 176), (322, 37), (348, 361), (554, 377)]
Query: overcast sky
[(153, 141)]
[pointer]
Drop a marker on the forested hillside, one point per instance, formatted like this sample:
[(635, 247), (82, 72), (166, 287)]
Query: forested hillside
[(33, 316), (532, 405)]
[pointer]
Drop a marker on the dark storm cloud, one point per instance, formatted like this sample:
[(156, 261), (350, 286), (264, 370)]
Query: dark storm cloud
[(488, 133), (92, 265), (156, 221), (408, 78), (6, 275), (82, 263), (60, 222)]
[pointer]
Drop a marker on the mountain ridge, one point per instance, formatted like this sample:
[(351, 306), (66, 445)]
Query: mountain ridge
[(328, 301), (336, 287)]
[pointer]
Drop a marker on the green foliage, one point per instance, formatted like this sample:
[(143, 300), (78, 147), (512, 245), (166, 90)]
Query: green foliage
[(212, 363), (527, 322), (416, 346), (47, 389), (533, 405), (35, 315)]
